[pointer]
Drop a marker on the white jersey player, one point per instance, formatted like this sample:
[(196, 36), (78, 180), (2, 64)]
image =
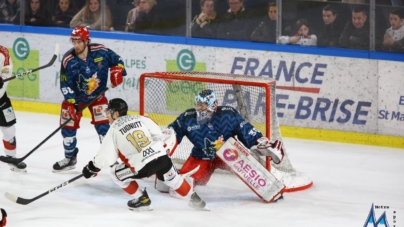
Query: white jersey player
[(140, 144), (7, 116)]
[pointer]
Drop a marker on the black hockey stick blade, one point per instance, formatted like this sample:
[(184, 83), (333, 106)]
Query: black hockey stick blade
[(55, 55), (15, 161), (23, 201)]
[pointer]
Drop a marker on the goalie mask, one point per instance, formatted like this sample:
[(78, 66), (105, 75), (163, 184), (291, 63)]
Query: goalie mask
[(205, 105)]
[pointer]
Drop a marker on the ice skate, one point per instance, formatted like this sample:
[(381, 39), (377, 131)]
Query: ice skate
[(66, 163), (197, 203), (20, 167), (141, 204)]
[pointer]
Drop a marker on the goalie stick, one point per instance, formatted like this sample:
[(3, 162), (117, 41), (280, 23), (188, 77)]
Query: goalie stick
[(55, 55), (23, 201), (15, 161)]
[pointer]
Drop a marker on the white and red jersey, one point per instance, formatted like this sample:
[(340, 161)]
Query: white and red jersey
[(6, 67), (136, 140)]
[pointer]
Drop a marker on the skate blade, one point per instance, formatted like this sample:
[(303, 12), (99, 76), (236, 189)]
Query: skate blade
[(64, 170), (206, 208), (144, 208), (15, 169)]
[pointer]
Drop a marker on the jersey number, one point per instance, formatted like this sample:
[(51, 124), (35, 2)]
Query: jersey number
[(67, 90), (138, 140)]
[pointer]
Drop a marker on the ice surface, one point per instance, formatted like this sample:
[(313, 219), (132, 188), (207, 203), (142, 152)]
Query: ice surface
[(347, 180)]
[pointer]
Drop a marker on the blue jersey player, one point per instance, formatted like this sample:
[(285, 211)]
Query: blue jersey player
[(83, 75), (208, 126)]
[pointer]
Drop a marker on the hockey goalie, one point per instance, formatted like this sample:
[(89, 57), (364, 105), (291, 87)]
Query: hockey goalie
[(207, 126)]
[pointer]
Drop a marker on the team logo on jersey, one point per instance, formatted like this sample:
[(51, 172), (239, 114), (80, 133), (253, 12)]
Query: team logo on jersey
[(230, 155), (211, 147), (88, 70), (88, 85)]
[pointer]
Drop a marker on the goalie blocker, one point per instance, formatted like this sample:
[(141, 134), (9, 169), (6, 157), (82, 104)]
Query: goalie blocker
[(250, 171)]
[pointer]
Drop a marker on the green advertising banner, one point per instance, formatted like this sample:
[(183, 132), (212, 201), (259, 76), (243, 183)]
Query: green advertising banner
[(180, 95), (24, 59)]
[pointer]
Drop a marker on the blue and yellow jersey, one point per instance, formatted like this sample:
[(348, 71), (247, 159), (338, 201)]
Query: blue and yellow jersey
[(83, 80), (208, 137)]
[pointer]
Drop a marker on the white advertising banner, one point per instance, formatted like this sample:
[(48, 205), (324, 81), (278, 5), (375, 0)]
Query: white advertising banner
[(334, 93), (314, 91)]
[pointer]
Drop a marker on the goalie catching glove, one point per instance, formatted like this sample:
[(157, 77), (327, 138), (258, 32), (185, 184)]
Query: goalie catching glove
[(268, 148), (116, 75), (90, 170)]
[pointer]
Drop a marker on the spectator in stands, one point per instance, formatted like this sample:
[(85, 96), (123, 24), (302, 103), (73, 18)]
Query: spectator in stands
[(356, 32), (9, 11), (237, 23), (132, 16), (149, 20), (266, 30), (397, 3), (303, 35), (64, 13), (205, 24), (36, 14), (394, 37), (333, 27), (90, 16)]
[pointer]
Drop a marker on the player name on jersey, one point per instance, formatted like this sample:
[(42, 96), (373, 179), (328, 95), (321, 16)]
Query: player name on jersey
[(130, 126)]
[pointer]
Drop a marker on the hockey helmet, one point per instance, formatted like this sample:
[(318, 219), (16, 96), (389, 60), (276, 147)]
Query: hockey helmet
[(209, 98), (80, 33), (119, 105)]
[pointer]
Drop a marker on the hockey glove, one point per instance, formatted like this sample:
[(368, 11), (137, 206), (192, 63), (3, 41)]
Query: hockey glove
[(3, 216), (116, 75), (1, 86), (90, 170), (268, 148), (72, 109)]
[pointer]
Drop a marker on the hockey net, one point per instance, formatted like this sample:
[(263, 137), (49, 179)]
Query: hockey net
[(165, 95)]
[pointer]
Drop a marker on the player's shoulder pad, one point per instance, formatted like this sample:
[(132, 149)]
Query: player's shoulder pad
[(97, 47), (226, 109), (189, 113), (69, 55)]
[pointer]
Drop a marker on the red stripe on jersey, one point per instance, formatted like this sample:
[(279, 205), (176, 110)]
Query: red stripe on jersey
[(66, 59), (132, 188), (125, 160), (99, 47), (6, 54)]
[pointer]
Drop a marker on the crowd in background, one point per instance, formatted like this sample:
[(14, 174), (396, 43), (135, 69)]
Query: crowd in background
[(343, 23)]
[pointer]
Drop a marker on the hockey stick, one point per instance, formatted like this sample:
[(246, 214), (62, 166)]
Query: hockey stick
[(15, 161), (23, 201), (55, 55)]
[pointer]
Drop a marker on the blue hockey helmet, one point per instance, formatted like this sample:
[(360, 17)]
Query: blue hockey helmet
[(207, 97)]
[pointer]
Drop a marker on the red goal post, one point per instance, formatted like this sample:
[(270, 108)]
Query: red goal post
[(165, 95)]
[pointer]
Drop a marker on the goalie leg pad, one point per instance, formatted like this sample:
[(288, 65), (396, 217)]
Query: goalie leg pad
[(250, 171)]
